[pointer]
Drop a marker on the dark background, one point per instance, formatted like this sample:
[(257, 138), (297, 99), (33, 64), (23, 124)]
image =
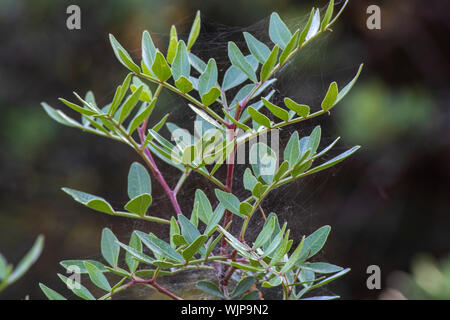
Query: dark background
[(387, 203)]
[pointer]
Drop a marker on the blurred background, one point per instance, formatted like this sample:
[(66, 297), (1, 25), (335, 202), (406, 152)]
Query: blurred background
[(388, 205)]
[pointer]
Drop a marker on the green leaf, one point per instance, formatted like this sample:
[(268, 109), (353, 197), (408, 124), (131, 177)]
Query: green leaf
[(174, 229), (275, 242), (181, 65), (210, 246), (148, 50), (238, 60), (189, 155), (314, 140), (122, 55), (28, 260), (270, 63), (188, 230), (211, 96), (247, 267), (259, 189), (136, 254), (109, 247), (184, 84), (246, 208), (290, 46), (301, 109), (172, 49), (320, 267), (253, 295), (281, 250), (325, 150), (347, 88), (50, 293), (195, 31), (331, 96), (164, 264), (278, 31), (205, 117), (315, 25), (215, 219), (264, 161), (159, 247), (141, 116), (258, 49), (274, 282), (277, 111), (97, 277), (119, 271), (160, 67), (234, 77), (78, 289), (140, 204), (284, 167), (67, 264), (314, 242), (334, 161), (329, 279), (59, 116), (229, 201), (208, 79), (138, 181), (305, 30), (3, 267), (327, 16), (236, 244), (161, 123), (90, 201), (292, 150), (80, 265), (210, 288), (265, 234), (205, 211), (194, 214), (276, 231), (238, 124), (129, 104), (301, 166), (249, 180), (197, 63), (294, 257), (77, 108), (128, 62), (136, 245), (245, 284), (179, 240), (307, 277), (258, 117), (194, 247), (120, 94)]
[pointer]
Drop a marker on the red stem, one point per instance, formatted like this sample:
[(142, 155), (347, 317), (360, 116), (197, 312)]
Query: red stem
[(157, 286), (153, 166)]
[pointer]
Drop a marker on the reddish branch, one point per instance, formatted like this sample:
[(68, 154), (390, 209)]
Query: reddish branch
[(155, 285), (153, 166)]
